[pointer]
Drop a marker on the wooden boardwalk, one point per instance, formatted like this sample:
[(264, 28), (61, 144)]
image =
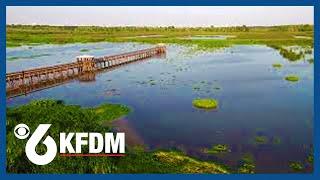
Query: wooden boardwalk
[(24, 82)]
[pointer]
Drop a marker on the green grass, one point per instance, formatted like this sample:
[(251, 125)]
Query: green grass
[(292, 78), (205, 103), (275, 36), (65, 118)]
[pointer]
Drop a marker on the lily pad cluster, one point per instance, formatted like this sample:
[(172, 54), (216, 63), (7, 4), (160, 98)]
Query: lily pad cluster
[(205, 103), (292, 78), (219, 148), (247, 164)]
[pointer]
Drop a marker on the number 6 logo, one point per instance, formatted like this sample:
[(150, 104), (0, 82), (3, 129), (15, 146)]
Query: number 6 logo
[(35, 138)]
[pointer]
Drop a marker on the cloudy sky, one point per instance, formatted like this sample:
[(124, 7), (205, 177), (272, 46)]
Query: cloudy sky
[(160, 15)]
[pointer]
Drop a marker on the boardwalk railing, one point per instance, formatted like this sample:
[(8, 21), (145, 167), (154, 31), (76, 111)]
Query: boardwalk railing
[(23, 82)]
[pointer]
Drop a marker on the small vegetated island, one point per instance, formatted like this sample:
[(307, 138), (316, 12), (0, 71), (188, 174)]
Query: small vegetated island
[(205, 103), (292, 78)]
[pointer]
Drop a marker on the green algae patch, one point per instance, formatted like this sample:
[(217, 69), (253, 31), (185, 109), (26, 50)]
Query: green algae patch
[(292, 78), (261, 139), (277, 65), (219, 148), (84, 50), (296, 166), (205, 103)]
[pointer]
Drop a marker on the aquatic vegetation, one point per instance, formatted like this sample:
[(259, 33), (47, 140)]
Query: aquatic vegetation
[(247, 164), (246, 168), (292, 78), (205, 103), (69, 118), (276, 140), (196, 88), (219, 148), (277, 65), (311, 61), (296, 166), (13, 58), (72, 118), (310, 158), (166, 162), (261, 139), (288, 53), (152, 82), (84, 50)]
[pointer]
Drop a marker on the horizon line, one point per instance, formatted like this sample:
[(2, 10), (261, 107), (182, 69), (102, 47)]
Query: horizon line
[(151, 26)]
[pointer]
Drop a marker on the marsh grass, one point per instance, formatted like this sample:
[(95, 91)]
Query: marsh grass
[(18, 35)]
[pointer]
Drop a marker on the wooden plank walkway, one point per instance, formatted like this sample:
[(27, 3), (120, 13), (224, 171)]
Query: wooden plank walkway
[(24, 82)]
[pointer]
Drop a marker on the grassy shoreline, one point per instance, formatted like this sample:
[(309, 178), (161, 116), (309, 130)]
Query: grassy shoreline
[(18, 35)]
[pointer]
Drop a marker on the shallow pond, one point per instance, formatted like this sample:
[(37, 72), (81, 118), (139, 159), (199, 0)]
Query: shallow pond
[(254, 99)]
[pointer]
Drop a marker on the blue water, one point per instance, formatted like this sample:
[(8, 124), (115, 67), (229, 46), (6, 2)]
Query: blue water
[(254, 99)]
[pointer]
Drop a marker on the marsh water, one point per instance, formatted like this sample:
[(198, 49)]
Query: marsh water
[(254, 99)]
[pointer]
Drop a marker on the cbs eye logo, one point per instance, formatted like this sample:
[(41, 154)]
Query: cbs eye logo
[(21, 131)]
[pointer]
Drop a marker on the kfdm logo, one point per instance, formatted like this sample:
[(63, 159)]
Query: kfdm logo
[(98, 144)]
